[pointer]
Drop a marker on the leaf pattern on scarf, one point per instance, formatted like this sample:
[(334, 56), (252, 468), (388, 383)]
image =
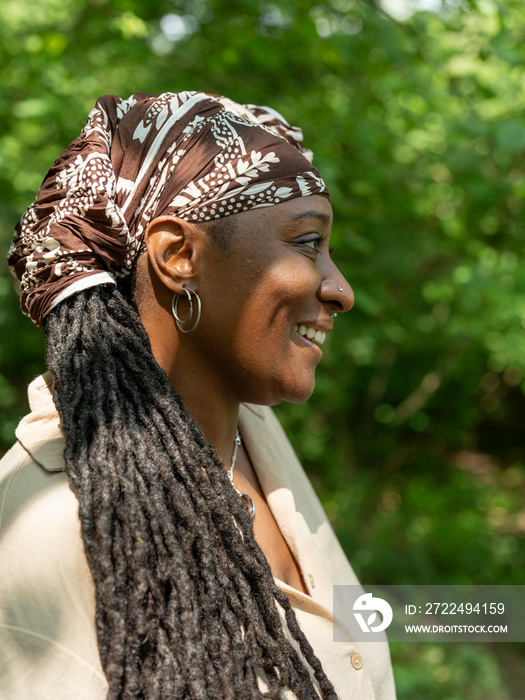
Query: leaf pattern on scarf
[(193, 155)]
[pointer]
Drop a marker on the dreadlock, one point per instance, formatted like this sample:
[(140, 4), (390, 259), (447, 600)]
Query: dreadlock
[(186, 604)]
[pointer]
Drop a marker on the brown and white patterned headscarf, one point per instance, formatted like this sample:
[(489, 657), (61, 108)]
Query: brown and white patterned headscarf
[(197, 156)]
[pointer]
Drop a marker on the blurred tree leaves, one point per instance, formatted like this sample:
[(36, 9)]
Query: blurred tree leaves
[(414, 436)]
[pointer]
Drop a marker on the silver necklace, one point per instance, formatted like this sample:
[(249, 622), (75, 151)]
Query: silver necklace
[(245, 496)]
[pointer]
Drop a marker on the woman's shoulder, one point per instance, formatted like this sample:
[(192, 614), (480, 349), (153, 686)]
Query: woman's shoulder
[(46, 591), (39, 524), (35, 463)]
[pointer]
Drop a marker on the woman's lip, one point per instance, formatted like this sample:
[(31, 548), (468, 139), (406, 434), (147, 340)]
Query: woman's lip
[(324, 327), (311, 332), (311, 345)]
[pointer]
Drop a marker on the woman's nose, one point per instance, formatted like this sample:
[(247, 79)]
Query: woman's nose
[(335, 290)]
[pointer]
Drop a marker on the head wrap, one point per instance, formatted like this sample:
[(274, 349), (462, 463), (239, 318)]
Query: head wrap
[(197, 156)]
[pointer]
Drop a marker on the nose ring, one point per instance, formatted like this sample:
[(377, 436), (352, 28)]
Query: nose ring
[(340, 289)]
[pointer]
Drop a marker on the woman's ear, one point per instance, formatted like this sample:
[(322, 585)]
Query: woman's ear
[(171, 244)]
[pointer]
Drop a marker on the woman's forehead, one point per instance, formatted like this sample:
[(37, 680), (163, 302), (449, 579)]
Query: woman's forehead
[(295, 210)]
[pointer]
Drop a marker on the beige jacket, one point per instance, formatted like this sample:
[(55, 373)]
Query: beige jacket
[(48, 646)]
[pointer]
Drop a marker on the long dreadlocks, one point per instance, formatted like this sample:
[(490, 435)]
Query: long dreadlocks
[(186, 605)]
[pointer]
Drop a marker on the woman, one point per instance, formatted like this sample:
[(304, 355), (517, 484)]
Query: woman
[(177, 257)]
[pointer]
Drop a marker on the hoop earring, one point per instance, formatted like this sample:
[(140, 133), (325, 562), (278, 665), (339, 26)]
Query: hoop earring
[(175, 310)]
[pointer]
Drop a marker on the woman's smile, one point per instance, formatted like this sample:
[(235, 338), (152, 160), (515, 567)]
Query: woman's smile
[(261, 332), (310, 333)]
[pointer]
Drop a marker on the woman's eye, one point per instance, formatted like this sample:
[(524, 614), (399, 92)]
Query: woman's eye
[(313, 243)]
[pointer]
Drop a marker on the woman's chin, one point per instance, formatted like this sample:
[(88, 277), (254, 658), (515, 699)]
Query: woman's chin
[(301, 392)]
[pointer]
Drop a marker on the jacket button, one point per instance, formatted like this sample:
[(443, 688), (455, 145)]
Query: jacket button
[(357, 661), (312, 581)]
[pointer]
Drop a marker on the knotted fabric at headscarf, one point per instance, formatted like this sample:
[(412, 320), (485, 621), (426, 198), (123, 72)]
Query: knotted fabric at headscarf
[(197, 156)]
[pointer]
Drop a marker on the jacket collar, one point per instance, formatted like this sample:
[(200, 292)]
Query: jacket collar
[(263, 439), (39, 432)]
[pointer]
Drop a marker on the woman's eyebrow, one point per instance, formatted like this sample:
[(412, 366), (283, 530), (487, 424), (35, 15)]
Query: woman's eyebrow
[(312, 214)]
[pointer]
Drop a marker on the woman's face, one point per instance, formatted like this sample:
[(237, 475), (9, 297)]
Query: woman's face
[(262, 294)]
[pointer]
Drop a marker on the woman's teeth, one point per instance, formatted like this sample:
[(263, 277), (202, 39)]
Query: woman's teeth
[(311, 333)]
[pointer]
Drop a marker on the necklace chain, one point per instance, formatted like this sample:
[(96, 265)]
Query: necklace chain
[(236, 445), (245, 496)]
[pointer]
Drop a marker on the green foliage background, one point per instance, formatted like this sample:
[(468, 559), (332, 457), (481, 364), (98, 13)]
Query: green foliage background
[(414, 436)]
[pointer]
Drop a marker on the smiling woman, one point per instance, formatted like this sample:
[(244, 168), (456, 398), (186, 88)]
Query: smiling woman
[(247, 347), (177, 256)]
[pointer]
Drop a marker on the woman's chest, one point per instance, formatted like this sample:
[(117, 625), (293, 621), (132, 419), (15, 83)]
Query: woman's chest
[(266, 529)]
